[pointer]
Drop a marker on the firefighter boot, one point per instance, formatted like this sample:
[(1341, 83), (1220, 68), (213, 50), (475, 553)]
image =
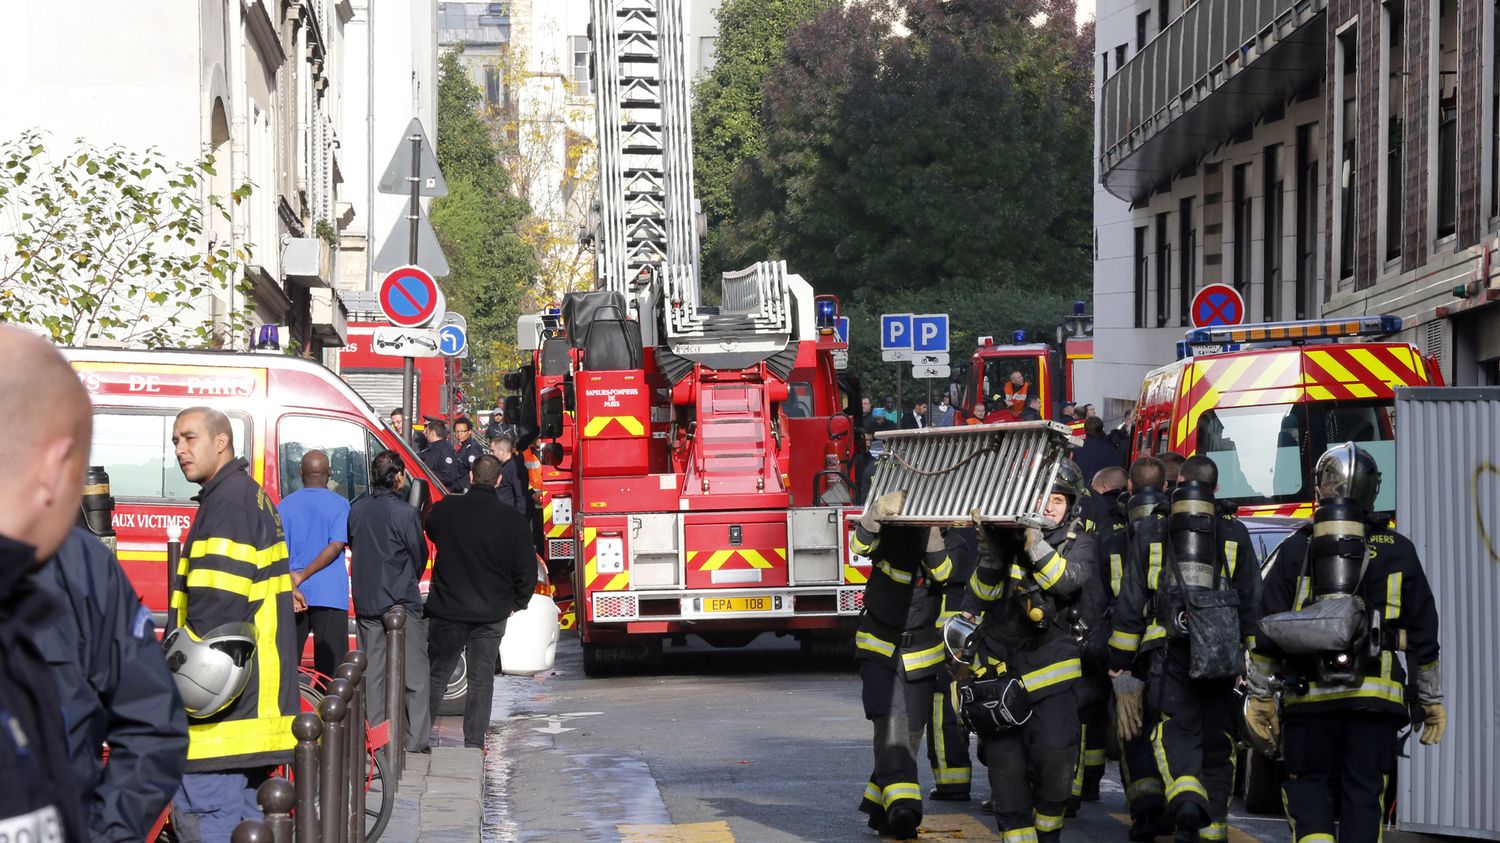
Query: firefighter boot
[(1190, 819), (902, 822), (1092, 775), (1145, 826)]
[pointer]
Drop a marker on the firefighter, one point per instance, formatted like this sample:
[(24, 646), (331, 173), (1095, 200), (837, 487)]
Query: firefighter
[(947, 737), (1342, 708), (1145, 523), (900, 649), (1108, 487), (1205, 601), (1026, 588)]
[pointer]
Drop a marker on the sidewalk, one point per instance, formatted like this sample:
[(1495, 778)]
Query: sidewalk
[(441, 795)]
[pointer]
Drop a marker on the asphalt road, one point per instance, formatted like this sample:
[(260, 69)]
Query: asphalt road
[(755, 744)]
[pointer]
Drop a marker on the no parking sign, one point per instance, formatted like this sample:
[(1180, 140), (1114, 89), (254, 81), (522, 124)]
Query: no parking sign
[(1217, 304), (410, 298)]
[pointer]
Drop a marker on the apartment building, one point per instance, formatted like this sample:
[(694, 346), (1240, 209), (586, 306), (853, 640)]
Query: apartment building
[(1325, 157)]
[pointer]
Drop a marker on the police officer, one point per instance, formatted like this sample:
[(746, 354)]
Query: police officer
[(1145, 525), (1108, 487), (1026, 587), (466, 450), (1205, 600), (1342, 709), (900, 649), (947, 737), (440, 457)]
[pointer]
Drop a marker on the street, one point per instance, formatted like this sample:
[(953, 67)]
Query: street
[(718, 745)]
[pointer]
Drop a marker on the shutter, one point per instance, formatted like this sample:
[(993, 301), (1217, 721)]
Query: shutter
[(383, 390), (1433, 346)]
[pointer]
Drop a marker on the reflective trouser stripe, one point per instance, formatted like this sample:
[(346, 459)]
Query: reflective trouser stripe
[(1047, 822), (1019, 835), (919, 659), (1093, 758), (874, 644), (1143, 787), (896, 574), (901, 790), (941, 772), (1176, 786), (872, 792), (1316, 838), (1214, 831), (1125, 642), (1052, 674)]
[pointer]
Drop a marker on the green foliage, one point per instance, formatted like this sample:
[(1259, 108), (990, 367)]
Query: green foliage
[(114, 244), (477, 222)]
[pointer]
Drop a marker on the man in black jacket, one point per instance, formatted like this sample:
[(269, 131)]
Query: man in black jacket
[(387, 558), (441, 458), (513, 489), (38, 503), (485, 570), (115, 688)]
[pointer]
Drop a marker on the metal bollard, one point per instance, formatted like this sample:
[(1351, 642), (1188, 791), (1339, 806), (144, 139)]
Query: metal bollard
[(395, 692), (252, 831), (333, 708), (308, 728), (276, 796), (356, 741), (361, 661)]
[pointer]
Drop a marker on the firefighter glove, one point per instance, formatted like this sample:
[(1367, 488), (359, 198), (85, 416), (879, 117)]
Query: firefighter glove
[(1434, 723), (1037, 548), (1263, 718), (885, 506), (935, 540), (1128, 693)]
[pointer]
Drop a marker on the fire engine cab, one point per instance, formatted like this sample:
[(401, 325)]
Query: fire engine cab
[(1264, 401)]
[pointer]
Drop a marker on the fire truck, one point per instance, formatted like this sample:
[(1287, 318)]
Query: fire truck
[(1264, 401), (694, 454), (1051, 373)]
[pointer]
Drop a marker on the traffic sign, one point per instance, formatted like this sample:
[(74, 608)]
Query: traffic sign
[(938, 359), (410, 298), (895, 355), (1217, 304), (398, 173), (841, 359), (406, 342), (895, 331), (453, 317), (453, 340), (931, 371), (841, 329), (397, 249), (929, 332)]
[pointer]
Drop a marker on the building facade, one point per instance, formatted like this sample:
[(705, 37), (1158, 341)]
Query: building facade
[(253, 82), (1325, 157)]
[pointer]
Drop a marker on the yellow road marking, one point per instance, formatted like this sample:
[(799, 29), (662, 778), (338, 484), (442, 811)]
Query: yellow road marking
[(955, 827), (711, 832), (1235, 835)]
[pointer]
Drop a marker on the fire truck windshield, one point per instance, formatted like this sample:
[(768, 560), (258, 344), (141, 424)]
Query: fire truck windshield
[(1266, 454)]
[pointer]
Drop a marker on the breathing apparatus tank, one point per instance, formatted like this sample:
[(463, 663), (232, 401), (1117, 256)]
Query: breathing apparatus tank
[(1142, 504), (1192, 552), (96, 511), (1348, 482)]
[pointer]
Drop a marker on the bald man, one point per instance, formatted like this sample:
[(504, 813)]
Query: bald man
[(316, 521), (38, 503)]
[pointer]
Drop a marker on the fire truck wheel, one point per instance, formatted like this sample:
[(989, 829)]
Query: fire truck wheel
[(457, 690), (594, 665)]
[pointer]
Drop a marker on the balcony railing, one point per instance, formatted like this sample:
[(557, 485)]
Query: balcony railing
[(1195, 85)]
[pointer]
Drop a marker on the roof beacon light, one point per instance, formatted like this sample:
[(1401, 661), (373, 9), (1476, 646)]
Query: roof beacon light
[(986, 341), (268, 338), (828, 314), (1231, 337), (1018, 337)]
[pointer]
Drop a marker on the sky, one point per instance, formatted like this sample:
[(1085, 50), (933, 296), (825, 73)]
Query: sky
[(1085, 10)]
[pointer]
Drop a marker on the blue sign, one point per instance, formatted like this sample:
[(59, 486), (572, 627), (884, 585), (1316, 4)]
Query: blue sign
[(452, 339), (895, 330), (1217, 304), (841, 329), (409, 297), (929, 332)]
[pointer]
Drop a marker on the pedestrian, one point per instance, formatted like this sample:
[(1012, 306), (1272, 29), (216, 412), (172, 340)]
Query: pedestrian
[(1093, 691), (492, 425), (944, 413), (867, 414), (39, 501), (1095, 453), (916, 417), (1069, 413), (1017, 392), (1171, 463), (387, 557), (316, 522), (1205, 595), (863, 466), (947, 736), (115, 689), (234, 572), (412, 437), (1338, 728), (440, 457), (466, 450), (1024, 587), (513, 490), (484, 572), (900, 648), (1033, 411)]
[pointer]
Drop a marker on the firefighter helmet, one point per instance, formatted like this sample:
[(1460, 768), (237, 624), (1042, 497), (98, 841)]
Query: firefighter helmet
[(212, 671), (1069, 480), (1348, 471)]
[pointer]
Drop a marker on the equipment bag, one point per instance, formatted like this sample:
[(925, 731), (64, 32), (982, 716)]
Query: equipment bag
[(1215, 647), (1327, 626), (994, 704)]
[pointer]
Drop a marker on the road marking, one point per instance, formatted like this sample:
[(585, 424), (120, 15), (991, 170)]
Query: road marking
[(955, 827), (712, 832), (554, 727), (1235, 835)]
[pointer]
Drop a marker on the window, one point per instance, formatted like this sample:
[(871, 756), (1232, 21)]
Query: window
[(1142, 29), (1140, 277), (1187, 258), (997, 371), (136, 449), (494, 92), (1446, 98), (1242, 221), (1120, 57), (1394, 20), (582, 82), (708, 53), (1104, 65), (1307, 219), (1163, 268), (349, 448), (1345, 46), (799, 400), (1273, 208)]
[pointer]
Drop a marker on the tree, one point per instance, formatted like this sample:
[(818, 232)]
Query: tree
[(111, 244), (477, 223)]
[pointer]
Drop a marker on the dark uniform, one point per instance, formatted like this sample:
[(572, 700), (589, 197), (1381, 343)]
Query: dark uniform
[(1193, 731), (115, 687), (1339, 742), (1110, 539), (947, 737), (443, 462), (900, 650), (1031, 767), (464, 455)]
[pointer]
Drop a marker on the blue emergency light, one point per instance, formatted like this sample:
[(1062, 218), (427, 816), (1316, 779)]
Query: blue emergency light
[(1080, 308), (827, 313), (1018, 337), (268, 338)]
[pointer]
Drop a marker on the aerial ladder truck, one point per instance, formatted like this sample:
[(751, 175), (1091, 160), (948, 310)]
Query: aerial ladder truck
[(695, 457)]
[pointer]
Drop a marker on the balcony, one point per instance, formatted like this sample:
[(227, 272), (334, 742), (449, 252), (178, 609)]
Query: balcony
[(1217, 69)]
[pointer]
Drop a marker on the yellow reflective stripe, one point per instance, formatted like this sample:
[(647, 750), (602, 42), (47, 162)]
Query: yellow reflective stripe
[(872, 792), (1155, 632), (901, 790), (1048, 575), (597, 424), (1125, 642), (1214, 831), (1373, 687), (943, 571), (952, 775), (1304, 591), (1093, 758), (238, 551), (235, 584), (869, 641), (1186, 784), (1153, 566), (1116, 573), (900, 576), (1393, 596), (1048, 822), (1052, 674), (1267, 664), (1320, 837), (225, 738), (859, 548), (923, 658), (1231, 554), (982, 591), (1019, 835), (1142, 787), (1017, 572)]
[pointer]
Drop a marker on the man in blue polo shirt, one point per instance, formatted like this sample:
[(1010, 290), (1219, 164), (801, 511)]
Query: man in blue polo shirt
[(316, 522)]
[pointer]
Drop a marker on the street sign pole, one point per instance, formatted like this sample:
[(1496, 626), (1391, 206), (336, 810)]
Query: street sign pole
[(408, 363)]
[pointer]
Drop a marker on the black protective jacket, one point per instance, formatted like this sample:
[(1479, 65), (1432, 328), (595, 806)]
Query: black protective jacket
[(445, 465), (486, 564), (38, 796), (465, 455), (902, 600), (1097, 606), (115, 688), (387, 554)]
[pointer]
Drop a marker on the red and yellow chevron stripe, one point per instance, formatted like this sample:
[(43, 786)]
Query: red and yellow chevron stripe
[(1281, 510), (736, 558), (854, 575), (592, 579), (599, 425)]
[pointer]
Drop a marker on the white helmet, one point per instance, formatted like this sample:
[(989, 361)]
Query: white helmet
[(211, 671)]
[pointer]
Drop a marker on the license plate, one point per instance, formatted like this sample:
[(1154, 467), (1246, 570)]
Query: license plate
[(763, 603)]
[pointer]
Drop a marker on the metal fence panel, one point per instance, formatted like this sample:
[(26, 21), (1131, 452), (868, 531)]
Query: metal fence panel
[(1448, 503)]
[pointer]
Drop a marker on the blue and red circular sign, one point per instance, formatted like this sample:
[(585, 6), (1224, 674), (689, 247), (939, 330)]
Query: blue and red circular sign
[(1217, 304), (409, 297)]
